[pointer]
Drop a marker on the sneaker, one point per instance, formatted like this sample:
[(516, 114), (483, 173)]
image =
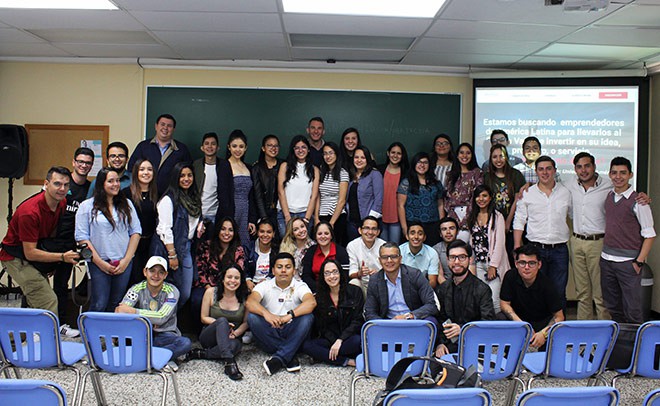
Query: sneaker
[(272, 365), (67, 331), (247, 337), (293, 365), (173, 366)]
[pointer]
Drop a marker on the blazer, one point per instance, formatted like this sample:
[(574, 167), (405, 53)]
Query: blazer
[(370, 194), (265, 188), (308, 275), (497, 255), (417, 293), (148, 149), (225, 185)]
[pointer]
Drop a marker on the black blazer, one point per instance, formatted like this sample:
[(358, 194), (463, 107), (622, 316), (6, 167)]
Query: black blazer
[(417, 293), (308, 275)]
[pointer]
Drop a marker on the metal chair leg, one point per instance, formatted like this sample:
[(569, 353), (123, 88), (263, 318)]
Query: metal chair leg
[(163, 376), (175, 384), (356, 378)]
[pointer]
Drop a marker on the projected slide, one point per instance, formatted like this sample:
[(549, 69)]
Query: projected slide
[(602, 121)]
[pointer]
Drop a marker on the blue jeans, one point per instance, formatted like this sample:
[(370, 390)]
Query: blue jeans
[(391, 232), (179, 345), (281, 224), (107, 290), (319, 349), (182, 278), (555, 266), (282, 342)]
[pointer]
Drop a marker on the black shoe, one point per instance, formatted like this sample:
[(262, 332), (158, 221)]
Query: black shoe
[(231, 370), (272, 365), (293, 365), (197, 353)]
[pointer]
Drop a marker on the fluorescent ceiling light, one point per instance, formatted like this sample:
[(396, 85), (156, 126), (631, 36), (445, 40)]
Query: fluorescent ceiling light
[(60, 4), (384, 8)]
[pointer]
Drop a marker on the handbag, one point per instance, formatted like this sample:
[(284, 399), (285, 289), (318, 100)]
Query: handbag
[(439, 374)]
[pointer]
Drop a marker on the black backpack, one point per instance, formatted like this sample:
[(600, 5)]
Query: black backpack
[(440, 374)]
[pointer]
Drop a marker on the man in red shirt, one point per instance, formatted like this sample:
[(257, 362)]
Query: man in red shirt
[(34, 219)]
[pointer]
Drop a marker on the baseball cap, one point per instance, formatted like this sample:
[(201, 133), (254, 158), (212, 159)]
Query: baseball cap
[(156, 260)]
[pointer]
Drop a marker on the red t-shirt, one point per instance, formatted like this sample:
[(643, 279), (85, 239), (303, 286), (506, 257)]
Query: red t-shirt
[(318, 259), (390, 185), (32, 221)]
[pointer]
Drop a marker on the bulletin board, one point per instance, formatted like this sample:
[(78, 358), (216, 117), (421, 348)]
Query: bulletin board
[(54, 145)]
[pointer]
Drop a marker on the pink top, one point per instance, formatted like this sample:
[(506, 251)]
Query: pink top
[(390, 185)]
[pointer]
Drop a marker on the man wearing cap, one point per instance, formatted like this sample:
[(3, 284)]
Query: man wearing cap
[(157, 300)]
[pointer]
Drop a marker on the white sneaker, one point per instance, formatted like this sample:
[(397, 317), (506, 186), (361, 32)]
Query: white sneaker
[(247, 337), (67, 331)]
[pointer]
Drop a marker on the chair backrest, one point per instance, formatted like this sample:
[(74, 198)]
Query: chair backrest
[(653, 398), (576, 396), (579, 349), (117, 342), (384, 342), (495, 348), (31, 392), (448, 397), (645, 353), (29, 338)]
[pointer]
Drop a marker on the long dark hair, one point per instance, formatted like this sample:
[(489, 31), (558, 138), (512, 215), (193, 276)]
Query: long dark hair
[(241, 292), (413, 180), (292, 161), (322, 288), (508, 170), (262, 155), (235, 135), (274, 243), (136, 190), (455, 172), (175, 191), (472, 218), (434, 156), (120, 202), (404, 164), (215, 248), (325, 168), (370, 162)]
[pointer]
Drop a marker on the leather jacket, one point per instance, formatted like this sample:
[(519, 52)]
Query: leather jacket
[(264, 183)]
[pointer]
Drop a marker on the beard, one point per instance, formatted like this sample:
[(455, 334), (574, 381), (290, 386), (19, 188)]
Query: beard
[(459, 274)]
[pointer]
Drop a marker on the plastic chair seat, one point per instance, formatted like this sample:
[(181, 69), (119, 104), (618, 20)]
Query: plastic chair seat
[(31, 392), (431, 397), (72, 352), (574, 396)]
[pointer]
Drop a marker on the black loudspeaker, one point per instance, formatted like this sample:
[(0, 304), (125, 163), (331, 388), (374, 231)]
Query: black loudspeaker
[(13, 151)]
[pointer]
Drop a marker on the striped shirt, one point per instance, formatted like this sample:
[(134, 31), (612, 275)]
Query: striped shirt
[(329, 193)]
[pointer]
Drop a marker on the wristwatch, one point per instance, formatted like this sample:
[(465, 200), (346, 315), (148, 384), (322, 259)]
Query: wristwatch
[(638, 263), (292, 314)]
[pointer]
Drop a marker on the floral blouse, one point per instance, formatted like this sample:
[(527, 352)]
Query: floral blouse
[(208, 269), (460, 194)]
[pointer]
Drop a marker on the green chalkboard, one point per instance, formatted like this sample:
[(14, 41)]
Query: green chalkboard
[(381, 117)]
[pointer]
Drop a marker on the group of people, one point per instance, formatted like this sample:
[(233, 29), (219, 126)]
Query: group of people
[(299, 252)]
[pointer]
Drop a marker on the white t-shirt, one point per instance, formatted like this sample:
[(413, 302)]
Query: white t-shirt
[(262, 267), (279, 301), (210, 191), (298, 190)]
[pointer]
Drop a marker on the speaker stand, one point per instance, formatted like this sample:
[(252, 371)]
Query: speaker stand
[(9, 289)]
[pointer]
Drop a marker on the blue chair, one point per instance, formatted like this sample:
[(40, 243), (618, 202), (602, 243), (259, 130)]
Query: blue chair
[(577, 349), (20, 392), (384, 342), (122, 344), (576, 396), (29, 338), (496, 349), (431, 397), (652, 399), (642, 363)]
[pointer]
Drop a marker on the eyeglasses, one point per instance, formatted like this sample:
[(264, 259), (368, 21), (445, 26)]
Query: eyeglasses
[(84, 163), (272, 145), (117, 156), (461, 257), (441, 144), (501, 140), (331, 273), (525, 264), (389, 257)]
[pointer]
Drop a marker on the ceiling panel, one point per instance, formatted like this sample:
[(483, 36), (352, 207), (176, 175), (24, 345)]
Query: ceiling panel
[(210, 52), (14, 35), (346, 55), (527, 11), (597, 51), (118, 51), (95, 36), (30, 49), (221, 22), (200, 5), (615, 36), (355, 25), (497, 31), (477, 46), (635, 15), (454, 59), (72, 19), (228, 39)]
